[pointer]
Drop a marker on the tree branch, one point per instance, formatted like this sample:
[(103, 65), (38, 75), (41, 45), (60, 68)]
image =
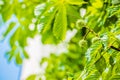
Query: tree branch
[(117, 49)]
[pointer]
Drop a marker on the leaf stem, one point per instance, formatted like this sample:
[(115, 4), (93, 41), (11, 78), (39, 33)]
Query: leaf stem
[(92, 31), (113, 47), (86, 35)]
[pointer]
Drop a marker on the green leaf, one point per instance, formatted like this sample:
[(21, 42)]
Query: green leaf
[(46, 18), (7, 15), (40, 9), (72, 14), (107, 73), (18, 59), (25, 54), (76, 2), (93, 75), (60, 24), (10, 27), (116, 67), (11, 55), (115, 77), (111, 61), (49, 38), (32, 77), (93, 54), (70, 78), (113, 10), (101, 64)]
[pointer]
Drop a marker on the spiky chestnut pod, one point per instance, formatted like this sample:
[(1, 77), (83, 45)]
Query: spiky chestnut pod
[(115, 2), (83, 43), (80, 24)]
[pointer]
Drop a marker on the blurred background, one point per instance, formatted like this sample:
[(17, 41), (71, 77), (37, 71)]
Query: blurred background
[(81, 27), (21, 48), (9, 70), (12, 17)]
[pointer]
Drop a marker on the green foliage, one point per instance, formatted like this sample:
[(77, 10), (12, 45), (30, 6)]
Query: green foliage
[(52, 16), (18, 39), (9, 28), (93, 52), (59, 28), (99, 59), (31, 77)]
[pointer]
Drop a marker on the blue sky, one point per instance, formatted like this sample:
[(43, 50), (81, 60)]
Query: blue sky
[(8, 70)]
